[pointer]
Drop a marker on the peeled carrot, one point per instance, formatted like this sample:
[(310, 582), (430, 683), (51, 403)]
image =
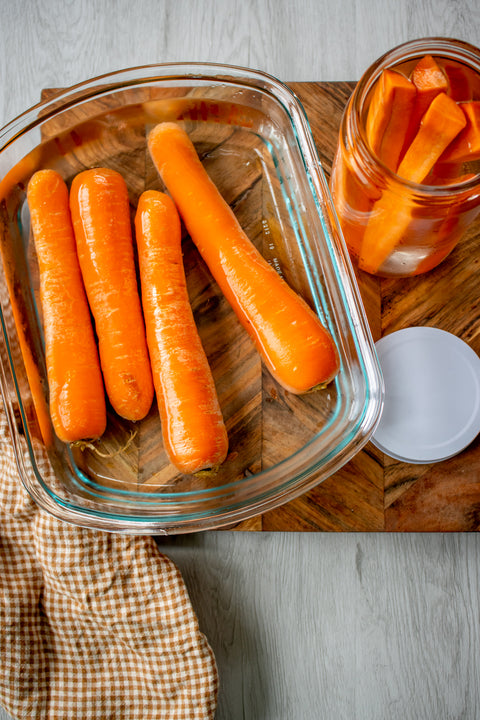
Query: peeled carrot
[(299, 352), (32, 371), (466, 146), (101, 219), (391, 214), (193, 430), (389, 115), (77, 396), (459, 81), (444, 173), (441, 123), (18, 176), (352, 200), (456, 220), (429, 80)]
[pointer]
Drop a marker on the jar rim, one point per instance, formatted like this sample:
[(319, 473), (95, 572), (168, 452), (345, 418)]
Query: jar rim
[(447, 47)]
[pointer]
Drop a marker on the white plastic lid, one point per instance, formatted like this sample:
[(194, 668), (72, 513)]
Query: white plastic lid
[(432, 395)]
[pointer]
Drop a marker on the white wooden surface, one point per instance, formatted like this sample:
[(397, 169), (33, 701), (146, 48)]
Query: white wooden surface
[(304, 626)]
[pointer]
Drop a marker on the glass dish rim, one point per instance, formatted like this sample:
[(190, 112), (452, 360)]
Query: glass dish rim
[(371, 409)]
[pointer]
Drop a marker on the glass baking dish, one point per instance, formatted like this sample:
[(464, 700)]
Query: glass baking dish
[(254, 140)]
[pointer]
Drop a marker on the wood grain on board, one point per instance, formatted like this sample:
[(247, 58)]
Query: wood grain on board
[(373, 492)]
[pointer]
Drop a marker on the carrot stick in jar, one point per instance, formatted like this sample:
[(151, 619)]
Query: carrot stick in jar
[(392, 213), (353, 200), (461, 215), (389, 116), (441, 123), (466, 146), (299, 352), (429, 81)]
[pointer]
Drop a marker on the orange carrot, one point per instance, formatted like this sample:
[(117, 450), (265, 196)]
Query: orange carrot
[(77, 396), (32, 371), (297, 349), (389, 115), (460, 80), (353, 201), (444, 173), (429, 80), (466, 146), (441, 123), (101, 220), (457, 219), (391, 214), (17, 177), (193, 430)]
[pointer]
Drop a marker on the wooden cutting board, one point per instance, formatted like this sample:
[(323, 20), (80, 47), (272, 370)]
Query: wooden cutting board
[(374, 492)]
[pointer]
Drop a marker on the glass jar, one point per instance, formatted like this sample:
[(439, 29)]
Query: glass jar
[(394, 226)]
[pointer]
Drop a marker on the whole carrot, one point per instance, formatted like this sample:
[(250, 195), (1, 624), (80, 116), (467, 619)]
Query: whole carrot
[(101, 220), (11, 270), (193, 430), (297, 349), (77, 396)]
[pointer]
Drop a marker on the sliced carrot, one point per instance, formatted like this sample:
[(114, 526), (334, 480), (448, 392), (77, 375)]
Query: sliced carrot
[(459, 81), (429, 80), (389, 115), (77, 396), (444, 173), (451, 179), (386, 227), (466, 146), (193, 430), (295, 346), (101, 220), (391, 214), (441, 123), (459, 217), (353, 201)]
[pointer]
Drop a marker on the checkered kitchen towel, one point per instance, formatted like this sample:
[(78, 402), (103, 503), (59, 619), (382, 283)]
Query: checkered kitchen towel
[(93, 626)]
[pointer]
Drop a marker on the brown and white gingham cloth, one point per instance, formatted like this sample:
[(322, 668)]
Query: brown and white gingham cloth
[(93, 626)]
